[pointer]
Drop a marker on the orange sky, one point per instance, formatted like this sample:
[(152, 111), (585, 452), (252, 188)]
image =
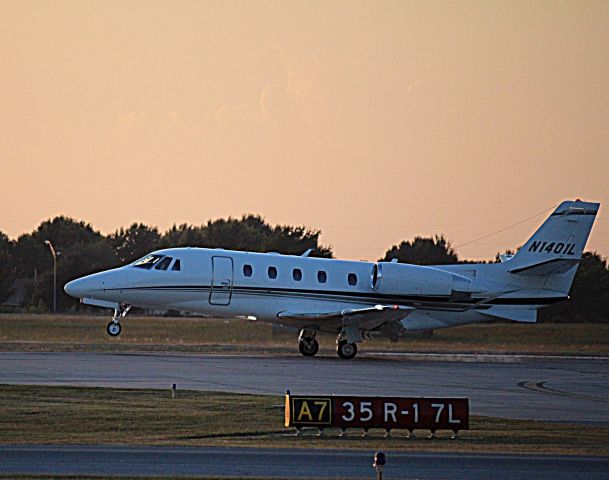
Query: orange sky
[(372, 121)]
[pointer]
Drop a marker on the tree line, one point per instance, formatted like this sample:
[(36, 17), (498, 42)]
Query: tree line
[(589, 296), (82, 250)]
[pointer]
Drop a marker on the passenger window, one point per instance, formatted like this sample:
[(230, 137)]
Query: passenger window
[(164, 264), (322, 277), (297, 274), (176, 265), (352, 279), (272, 272), (247, 270)]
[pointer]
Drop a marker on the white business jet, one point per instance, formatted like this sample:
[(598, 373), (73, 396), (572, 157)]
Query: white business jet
[(354, 300)]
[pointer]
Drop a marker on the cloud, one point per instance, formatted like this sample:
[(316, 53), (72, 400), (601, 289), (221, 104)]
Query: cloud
[(303, 99), (296, 97), (412, 85), (126, 122), (262, 101), (255, 112), (226, 114)]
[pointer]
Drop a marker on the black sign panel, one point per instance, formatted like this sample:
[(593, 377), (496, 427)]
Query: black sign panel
[(314, 411), (378, 412)]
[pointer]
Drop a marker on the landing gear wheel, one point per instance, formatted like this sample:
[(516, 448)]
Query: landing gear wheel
[(113, 329), (308, 347), (346, 350)]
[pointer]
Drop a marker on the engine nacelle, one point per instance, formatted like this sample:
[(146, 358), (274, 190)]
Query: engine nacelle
[(406, 279)]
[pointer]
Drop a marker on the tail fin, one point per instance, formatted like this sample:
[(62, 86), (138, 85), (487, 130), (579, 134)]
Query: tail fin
[(557, 246)]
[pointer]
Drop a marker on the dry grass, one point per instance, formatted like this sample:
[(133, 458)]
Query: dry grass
[(75, 415), (80, 332)]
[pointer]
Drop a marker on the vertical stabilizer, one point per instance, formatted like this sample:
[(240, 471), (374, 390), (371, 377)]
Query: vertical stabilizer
[(558, 244)]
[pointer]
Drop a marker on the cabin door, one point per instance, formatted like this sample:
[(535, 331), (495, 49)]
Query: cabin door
[(221, 280)]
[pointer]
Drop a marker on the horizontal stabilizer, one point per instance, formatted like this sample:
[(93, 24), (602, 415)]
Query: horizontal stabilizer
[(525, 315), (555, 266)]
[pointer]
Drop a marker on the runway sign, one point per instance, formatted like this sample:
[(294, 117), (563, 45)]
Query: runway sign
[(377, 412)]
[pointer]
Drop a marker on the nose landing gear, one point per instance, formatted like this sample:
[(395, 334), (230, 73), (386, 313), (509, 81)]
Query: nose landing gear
[(114, 327)]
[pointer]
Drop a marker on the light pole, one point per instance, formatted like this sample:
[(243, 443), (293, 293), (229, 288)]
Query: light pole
[(54, 253)]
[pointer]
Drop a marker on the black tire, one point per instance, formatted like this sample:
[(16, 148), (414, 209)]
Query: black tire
[(308, 347), (113, 329), (346, 350)]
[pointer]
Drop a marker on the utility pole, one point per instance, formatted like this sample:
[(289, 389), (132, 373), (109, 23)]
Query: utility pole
[(54, 253)]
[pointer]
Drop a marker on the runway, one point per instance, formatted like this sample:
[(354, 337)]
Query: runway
[(557, 389), (296, 463)]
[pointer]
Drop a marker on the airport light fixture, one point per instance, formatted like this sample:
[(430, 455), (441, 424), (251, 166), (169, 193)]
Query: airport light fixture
[(54, 253), (379, 464)]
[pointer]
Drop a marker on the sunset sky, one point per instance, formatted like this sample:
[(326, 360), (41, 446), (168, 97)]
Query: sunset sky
[(374, 121)]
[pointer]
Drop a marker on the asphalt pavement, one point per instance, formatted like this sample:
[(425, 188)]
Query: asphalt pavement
[(558, 389), (294, 463)]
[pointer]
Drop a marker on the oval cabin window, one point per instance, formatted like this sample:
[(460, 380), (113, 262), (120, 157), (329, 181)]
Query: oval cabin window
[(272, 272)]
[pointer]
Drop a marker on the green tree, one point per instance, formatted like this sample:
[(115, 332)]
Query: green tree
[(74, 262), (296, 240), (32, 254), (434, 250), (589, 296), (248, 233), (135, 242), (183, 235), (7, 267), (81, 250)]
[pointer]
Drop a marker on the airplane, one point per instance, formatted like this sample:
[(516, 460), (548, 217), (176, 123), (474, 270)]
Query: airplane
[(352, 299)]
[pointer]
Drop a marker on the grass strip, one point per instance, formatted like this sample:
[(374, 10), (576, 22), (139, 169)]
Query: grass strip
[(28, 332), (82, 415)]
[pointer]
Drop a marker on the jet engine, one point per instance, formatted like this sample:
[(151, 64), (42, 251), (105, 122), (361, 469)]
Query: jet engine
[(406, 279)]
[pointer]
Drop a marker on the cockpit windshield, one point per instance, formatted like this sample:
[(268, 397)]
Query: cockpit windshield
[(159, 262), (163, 264), (148, 261)]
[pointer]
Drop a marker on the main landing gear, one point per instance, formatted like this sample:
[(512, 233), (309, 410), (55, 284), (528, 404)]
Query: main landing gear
[(346, 350), (114, 327), (307, 344), (346, 346)]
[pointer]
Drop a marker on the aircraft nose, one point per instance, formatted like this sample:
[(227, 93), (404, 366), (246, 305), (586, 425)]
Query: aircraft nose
[(75, 288), (89, 286)]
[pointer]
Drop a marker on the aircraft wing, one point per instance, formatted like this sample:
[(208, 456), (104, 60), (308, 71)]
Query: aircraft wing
[(359, 319)]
